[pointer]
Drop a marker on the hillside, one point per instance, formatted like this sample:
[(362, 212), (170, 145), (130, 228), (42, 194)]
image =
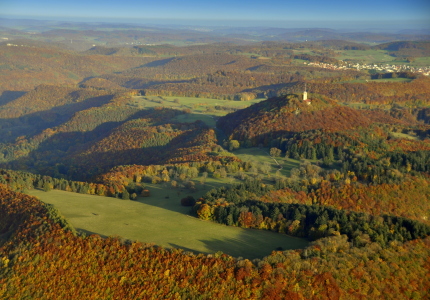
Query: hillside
[(26, 66), (280, 117), (169, 133), (41, 256)]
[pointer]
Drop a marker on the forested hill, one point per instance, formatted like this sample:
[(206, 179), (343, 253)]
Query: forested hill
[(283, 116)]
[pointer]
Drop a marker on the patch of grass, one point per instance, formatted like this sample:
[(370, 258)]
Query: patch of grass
[(366, 56), (160, 219), (404, 136), (209, 120), (201, 108), (421, 61), (380, 57), (261, 155)]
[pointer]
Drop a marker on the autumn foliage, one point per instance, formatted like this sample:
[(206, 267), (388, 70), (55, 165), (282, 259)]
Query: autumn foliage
[(43, 260)]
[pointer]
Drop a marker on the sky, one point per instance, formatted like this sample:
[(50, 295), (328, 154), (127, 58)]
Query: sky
[(371, 13)]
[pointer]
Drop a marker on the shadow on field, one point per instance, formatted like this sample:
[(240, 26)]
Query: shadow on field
[(176, 246), (88, 233), (250, 243), (166, 197)]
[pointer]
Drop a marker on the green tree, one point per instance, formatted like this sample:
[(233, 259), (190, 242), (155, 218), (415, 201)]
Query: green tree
[(275, 152), (46, 186), (125, 195), (233, 144)]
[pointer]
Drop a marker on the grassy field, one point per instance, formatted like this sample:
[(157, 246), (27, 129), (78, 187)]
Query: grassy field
[(201, 108), (366, 56), (404, 136), (261, 155), (163, 221), (380, 57)]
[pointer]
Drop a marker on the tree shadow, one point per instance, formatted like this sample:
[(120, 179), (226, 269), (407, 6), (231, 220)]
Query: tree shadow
[(9, 96), (35, 122), (67, 149), (250, 244), (88, 233), (274, 90), (156, 63), (186, 249)]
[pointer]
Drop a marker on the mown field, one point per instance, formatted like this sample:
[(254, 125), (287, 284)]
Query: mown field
[(160, 219)]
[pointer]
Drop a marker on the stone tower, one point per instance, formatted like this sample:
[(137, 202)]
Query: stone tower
[(305, 94)]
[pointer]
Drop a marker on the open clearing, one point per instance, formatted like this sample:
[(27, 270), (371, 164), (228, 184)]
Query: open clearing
[(204, 109), (261, 155), (163, 222), (366, 56)]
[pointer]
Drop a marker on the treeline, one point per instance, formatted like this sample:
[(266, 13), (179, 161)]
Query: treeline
[(233, 206), (409, 198), (25, 181), (180, 172), (388, 166), (375, 141), (42, 260), (315, 58)]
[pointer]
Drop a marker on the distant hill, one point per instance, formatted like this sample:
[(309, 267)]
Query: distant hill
[(407, 48), (29, 64)]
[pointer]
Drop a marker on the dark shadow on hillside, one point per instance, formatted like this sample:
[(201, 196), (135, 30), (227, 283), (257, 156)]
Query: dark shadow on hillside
[(8, 96), (140, 83), (274, 90), (85, 80), (255, 68), (36, 122), (157, 63), (62, 153)]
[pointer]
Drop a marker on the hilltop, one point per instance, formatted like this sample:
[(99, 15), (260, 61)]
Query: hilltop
[(284, 116)]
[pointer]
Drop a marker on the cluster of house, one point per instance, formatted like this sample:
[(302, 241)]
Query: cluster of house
[(387, 68)]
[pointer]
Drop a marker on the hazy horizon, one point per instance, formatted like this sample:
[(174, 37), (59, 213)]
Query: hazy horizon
[(367, 14)]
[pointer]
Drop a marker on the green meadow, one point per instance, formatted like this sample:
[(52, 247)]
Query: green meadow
[(261, 156), (366, 56), (195, 104), (161, 220)]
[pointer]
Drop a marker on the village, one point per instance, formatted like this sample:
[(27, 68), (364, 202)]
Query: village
[(387, 68)]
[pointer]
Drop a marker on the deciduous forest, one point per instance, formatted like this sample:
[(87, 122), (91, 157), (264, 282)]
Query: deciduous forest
[(344, 164)]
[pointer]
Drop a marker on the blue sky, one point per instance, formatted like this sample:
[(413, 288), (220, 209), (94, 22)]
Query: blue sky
[(409, 13)]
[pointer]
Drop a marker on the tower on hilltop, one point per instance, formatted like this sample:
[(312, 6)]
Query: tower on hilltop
[(305, 97), (305, 94)]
